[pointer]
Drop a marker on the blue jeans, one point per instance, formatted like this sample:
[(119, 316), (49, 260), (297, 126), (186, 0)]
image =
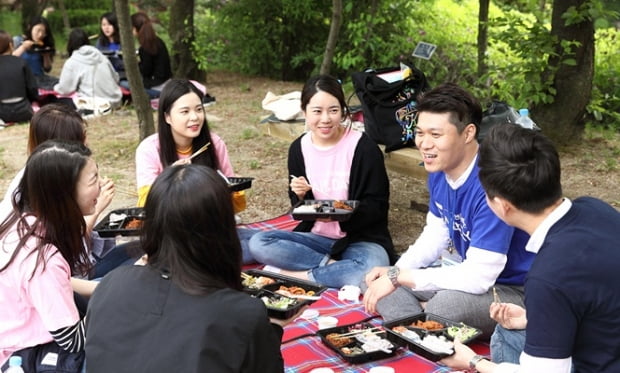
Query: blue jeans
[(507, 345), (299, 251), (244, 237), (152, 93)]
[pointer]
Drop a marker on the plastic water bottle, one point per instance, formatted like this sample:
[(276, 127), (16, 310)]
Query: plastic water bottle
[(524, 119), (15, 365)]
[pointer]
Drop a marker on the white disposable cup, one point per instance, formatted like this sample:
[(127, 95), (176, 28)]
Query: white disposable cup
[(322, 370), (350, 293), (325, 322), (381, 370)]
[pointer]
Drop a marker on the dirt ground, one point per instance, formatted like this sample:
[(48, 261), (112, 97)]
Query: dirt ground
[(589, 169)]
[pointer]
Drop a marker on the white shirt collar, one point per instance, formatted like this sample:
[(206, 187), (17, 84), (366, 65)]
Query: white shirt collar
[(461, 179), (538, 237)]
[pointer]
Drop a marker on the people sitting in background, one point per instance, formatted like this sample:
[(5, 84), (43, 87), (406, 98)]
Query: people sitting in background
[(332, 162), (42, 243), (37, 47), (109, 42), (572, 302), (89, 73), (182, 129), (19, 87), (491, 253), (189, 289), (154, 58)]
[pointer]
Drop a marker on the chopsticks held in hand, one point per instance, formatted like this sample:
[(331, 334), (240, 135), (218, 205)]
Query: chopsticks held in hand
[(202, 149)]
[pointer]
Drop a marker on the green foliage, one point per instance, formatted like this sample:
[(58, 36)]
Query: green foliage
[(604, 107), (11, 22)]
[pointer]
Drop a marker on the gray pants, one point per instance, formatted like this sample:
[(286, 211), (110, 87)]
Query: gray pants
[(471, 309)]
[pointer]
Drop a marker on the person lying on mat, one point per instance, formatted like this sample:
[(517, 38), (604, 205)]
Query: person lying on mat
[(332, 162), (198, 318), (492, 253), (572, 301), (42, 243), (183, 136)]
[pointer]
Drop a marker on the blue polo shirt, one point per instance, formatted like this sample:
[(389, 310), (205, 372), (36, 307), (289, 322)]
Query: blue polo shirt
[(572, 292)]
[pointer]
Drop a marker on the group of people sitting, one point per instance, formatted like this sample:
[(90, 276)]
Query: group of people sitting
[(498, 204), (91, 78)]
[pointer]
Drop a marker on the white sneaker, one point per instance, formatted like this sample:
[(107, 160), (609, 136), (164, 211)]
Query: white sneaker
[(270, 268)]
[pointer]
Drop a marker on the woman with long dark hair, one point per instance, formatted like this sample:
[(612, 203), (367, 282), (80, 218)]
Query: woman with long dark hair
[(154, 58), (109, 41), (38, 48), (188, 294), (42, 245), (183, 129)]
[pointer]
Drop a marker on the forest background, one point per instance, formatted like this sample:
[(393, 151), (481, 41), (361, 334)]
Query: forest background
[(250, 47)]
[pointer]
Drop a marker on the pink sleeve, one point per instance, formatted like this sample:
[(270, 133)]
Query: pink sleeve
[(51, 294), (148, 164), (222, 155)]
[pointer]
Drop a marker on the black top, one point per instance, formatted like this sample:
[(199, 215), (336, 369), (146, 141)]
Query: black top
[(155, 68), (17, 79), (368, 183), (139, 321)]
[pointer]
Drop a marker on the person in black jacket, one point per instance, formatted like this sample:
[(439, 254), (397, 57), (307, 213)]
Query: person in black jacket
[(154, 58), (184, 311), (332, 162), (19, 87)]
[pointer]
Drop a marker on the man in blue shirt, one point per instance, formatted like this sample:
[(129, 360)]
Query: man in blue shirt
[(492, 253), (572, 297)]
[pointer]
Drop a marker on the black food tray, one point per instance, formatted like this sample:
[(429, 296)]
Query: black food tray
[(355, 358), (281, 280), (401, 340), (324, 209), (105, 228), (239, 183), (280, 313)]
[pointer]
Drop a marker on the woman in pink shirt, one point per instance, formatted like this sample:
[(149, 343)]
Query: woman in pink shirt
[(41, 241), (183, 129), (332, 162)]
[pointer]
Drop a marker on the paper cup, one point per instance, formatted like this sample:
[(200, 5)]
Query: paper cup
[(325, 322), (381, 370), (349, 293), (322, 370)]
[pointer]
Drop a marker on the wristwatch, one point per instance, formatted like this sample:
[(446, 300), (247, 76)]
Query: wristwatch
[(392, 274), (475, 360)]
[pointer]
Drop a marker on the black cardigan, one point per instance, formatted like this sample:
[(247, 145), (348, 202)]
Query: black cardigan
[(369, 184)]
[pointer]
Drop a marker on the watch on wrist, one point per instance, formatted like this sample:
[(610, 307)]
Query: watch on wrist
[(392, 274), (475, 360)]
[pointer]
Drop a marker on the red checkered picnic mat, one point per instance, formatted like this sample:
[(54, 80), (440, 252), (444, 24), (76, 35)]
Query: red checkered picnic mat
[(283, 222), (308, 352)]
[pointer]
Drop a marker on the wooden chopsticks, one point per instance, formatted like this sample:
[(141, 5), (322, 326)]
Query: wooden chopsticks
[(202, 149)]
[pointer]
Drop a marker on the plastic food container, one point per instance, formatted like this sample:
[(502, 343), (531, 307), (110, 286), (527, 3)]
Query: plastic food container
[(414, 344), (124, 222), (355, 344), (321, 209), (239, 183)]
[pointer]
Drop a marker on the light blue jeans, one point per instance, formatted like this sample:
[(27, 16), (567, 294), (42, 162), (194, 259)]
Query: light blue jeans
[(298, 251), (507, 345), (244, 237)]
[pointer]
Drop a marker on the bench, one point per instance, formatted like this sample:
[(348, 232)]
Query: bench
[(406, 161)]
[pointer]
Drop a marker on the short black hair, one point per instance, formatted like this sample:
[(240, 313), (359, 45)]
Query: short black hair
[(463, 107), (520, 165)]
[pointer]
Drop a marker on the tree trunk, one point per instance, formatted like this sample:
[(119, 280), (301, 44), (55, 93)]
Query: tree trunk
[(332, 39), (139, 97), (483, 27), (562, 120), (181, 31), (30, 9), (65, 16)]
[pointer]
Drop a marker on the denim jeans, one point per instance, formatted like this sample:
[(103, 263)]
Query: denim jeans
[(507, 345), (298, 251), (244, 237), (152, 93)]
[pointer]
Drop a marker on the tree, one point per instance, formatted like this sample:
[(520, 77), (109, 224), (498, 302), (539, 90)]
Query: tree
[(332, 39), (181, 31), (571, 70), (138, 95), (483, 32)]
